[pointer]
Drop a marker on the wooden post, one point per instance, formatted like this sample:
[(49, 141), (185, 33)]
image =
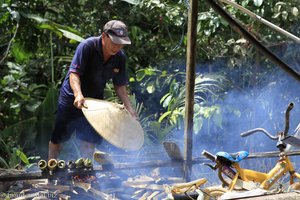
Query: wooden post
[(190, 86)]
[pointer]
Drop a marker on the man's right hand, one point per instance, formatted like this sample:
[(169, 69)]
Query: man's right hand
[(79, 101)]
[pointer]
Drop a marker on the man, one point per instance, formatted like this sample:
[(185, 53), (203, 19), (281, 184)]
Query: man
[(96, 60)]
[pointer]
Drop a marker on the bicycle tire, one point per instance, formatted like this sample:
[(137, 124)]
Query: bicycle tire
[(214, 191)]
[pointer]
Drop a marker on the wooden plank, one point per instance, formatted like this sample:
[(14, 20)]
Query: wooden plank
[(283, 196)]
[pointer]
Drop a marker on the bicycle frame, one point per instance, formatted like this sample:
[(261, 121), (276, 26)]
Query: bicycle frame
[(266, 180)]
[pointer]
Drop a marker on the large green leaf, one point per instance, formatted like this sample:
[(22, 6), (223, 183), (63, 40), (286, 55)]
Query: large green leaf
[(46, 120), (163, 116), (134, 2), (22, 156), (60, 30), (71, 35), (49, 104)]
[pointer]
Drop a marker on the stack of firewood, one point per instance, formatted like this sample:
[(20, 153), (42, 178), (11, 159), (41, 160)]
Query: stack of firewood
[(103, 185)]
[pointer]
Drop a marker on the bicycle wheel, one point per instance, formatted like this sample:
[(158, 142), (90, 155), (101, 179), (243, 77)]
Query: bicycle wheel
[(213, 192)]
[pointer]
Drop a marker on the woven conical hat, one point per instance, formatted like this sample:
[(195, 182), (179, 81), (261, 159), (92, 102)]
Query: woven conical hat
[(113, 122)]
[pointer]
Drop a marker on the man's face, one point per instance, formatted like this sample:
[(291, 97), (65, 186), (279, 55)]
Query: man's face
[(108, 46)]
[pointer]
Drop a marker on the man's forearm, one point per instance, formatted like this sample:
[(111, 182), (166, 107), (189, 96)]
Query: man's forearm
[(75, 84), (123, 95), (79, 101)]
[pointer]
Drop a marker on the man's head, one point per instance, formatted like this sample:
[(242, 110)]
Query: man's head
[(117, 32)]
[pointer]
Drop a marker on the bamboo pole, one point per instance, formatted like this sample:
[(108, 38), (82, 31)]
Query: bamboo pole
[(190, 86), (264, 21), (128, 166), (244, 33)]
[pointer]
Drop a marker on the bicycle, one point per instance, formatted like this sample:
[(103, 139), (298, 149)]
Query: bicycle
[(228, 164)]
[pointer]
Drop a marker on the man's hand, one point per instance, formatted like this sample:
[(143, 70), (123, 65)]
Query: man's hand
[(122, 94), (132, 112), (79, 101)]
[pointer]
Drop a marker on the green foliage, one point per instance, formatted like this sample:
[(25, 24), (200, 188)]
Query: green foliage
[(23, 132), (11, 157), (33, 134), (20, 54), (207, 86), (168, 87), (157, 132), (21, 95)]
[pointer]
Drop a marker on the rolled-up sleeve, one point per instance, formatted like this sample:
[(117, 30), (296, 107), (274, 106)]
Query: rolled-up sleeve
[(80, 59)]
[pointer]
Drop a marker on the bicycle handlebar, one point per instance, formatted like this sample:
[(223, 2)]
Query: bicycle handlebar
[(286, 129), (247, 133), (209, 155)]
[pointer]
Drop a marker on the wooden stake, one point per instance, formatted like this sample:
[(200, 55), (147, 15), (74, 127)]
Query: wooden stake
[(190, 86)]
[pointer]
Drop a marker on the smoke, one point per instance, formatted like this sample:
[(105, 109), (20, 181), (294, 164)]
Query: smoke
[(262, 105)]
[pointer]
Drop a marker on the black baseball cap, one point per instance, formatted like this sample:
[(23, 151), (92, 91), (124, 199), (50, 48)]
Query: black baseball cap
[(117, 32)]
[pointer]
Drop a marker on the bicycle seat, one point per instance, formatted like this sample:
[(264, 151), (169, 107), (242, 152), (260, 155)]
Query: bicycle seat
[(228, 159)]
